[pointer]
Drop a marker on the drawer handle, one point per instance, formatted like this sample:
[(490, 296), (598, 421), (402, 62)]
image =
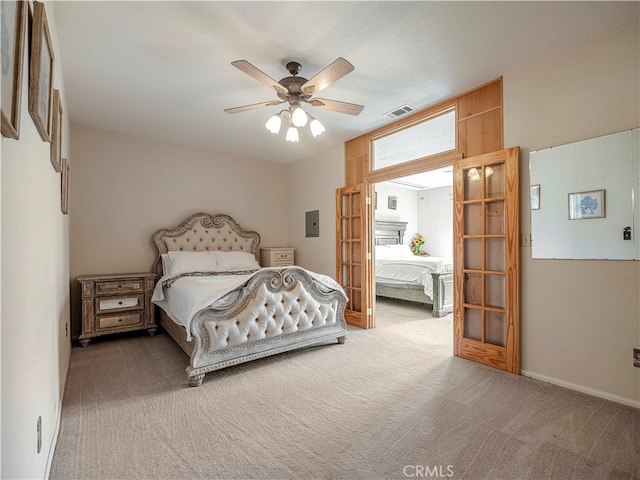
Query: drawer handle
[(119, 303), (120, 320)]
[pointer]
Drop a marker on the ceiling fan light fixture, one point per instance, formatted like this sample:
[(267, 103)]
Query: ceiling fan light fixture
[(316, 127), (294, 90), (273, 124), (292, 134), (298, 116)]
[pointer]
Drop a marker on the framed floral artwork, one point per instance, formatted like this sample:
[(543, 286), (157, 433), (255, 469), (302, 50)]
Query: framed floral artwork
[(14, 15), (56, 132), (583, 205), (41, 72)]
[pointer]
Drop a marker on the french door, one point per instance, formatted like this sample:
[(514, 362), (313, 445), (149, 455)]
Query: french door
[(353, 257), (487, 259)]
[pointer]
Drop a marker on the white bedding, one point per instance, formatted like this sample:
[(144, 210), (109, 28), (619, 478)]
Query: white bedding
[(395, 264), (188, 295)]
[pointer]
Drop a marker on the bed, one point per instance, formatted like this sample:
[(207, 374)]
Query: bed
[(404, 276), (223, 309)]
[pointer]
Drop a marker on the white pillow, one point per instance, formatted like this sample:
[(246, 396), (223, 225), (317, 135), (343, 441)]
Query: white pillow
[(382, 252), (185, 262), (401, 251), (166, 263), (235, 261)]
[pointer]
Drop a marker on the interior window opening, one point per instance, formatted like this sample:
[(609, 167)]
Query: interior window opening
[(434, 135)]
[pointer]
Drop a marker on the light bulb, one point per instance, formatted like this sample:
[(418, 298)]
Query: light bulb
[(273, 124), (292, 134), (316, 127), (488, 171), (299, 117)]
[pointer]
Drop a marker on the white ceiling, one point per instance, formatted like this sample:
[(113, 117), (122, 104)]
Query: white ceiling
[(163, 69)]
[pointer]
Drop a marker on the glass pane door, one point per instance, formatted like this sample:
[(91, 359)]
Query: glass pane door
[(483, 235), (487, 259), (351, 254)]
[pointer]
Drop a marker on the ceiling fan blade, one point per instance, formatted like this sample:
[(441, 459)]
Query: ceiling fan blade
[(259, 75), (331, 73), (253, 106), (336, 106)]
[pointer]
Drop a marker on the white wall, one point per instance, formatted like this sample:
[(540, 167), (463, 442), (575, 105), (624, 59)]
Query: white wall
[(124, 188), (406, 208), (35, 290), (580, 319), (429, 212), (435, 220), (312, 185)]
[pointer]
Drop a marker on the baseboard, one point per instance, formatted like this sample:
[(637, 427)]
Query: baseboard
[(52, 448), (580, 388), (56, 429)]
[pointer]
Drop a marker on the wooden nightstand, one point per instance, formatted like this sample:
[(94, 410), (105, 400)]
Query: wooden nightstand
[(277, 257), (116, 303)]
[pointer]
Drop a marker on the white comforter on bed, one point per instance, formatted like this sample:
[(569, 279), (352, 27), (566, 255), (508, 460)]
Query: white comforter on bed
[(395, 264), (188, 295)]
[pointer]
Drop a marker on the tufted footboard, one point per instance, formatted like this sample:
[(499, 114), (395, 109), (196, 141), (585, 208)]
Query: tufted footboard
[(277, 311)]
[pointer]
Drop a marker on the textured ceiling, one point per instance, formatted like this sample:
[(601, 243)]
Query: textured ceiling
[(163, 69)]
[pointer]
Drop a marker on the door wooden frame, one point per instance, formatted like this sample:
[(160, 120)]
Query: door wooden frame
[(479, 129)]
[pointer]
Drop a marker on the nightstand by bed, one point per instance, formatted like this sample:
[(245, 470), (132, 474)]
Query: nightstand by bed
[(277, 256), (116, 303)]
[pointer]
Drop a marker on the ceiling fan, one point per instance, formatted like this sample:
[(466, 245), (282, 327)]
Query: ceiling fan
[(297, 90)]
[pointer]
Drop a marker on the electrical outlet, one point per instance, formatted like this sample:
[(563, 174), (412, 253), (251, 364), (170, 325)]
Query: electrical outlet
[(636, 357), (39, 433)]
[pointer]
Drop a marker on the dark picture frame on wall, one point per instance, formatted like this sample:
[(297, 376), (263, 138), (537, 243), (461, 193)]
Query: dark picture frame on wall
[(56, 132), (41, 72), (14, 15)]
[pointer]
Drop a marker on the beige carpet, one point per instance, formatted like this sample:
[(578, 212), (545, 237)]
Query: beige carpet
[(391, 403)]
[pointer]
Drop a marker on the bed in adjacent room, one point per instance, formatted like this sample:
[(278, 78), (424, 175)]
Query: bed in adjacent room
[(402, 275), (223, 309)]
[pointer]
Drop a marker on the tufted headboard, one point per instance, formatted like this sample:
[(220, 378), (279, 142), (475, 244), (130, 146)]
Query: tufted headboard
[(201, 232)]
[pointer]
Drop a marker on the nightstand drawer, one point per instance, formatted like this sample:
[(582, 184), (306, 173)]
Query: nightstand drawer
[(106, 304), (277, 256), (116, 321), (110, 288), (283, 256)]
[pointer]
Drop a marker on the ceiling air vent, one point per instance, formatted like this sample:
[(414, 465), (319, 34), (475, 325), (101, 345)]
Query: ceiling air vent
[(398, 112)]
